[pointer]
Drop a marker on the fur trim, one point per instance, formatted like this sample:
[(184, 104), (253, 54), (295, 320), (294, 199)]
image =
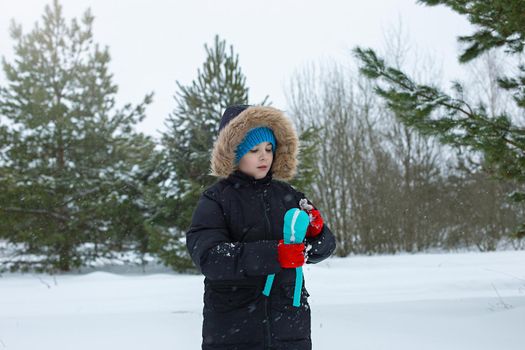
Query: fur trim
[(285, 160)]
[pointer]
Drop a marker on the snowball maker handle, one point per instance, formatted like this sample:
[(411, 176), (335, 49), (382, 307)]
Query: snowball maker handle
[(295, 225)]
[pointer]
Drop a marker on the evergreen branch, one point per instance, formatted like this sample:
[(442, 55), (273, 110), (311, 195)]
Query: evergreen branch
[(499, 22), (36, 211), (418, 95)]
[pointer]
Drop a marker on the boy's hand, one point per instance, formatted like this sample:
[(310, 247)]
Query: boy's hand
[(316, 221)]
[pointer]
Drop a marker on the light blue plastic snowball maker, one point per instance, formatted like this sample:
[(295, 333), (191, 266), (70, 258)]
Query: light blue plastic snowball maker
[(294, 231)]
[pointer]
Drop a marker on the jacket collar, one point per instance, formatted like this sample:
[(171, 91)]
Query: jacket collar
[(240, 178)]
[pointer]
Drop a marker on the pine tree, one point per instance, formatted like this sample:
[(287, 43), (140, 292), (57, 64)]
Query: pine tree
[(499, 138), (193, 125), (307, 171), (72, 167), (192, 128)]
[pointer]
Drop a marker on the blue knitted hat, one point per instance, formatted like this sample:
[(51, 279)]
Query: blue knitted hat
[(254, 137)]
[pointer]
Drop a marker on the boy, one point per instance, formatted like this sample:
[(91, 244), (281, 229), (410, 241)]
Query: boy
[(235, 238)]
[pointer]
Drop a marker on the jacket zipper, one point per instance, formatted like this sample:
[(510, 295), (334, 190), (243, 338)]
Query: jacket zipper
[(268, 236), (268, 335)]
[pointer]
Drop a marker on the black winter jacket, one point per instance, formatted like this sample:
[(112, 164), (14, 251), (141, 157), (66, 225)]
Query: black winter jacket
[(233, 241)]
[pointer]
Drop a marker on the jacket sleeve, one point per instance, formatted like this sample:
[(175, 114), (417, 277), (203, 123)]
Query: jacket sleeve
[(323, 245), (320, 247), (216, 256)]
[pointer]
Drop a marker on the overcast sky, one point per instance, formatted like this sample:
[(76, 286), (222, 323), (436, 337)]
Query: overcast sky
[(154, 43)]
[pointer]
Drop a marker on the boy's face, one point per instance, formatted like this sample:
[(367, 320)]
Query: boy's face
[(257, 161)]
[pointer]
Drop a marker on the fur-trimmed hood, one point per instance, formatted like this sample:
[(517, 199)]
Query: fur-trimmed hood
[(285, 160)]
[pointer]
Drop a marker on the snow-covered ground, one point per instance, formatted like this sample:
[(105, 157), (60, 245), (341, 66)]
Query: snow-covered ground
[(423, 301)]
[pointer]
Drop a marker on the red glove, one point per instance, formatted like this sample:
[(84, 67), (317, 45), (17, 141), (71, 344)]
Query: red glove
[(290, 255), (316, 223)]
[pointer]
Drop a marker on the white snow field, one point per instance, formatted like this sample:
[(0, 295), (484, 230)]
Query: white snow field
[(420, 301)]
